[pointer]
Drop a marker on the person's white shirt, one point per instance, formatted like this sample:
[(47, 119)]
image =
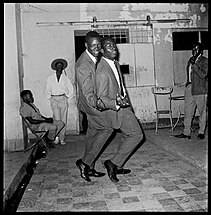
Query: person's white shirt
[(53, 87), (116, 74)]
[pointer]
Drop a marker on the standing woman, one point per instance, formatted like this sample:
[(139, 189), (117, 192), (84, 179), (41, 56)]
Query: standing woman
[(58, 89)]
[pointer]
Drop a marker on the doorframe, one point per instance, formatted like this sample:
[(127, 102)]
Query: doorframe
[(20, 63)]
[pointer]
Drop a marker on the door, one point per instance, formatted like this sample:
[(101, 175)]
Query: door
[(140, 59)]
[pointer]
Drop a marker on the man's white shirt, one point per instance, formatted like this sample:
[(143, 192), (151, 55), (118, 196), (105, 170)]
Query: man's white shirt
[(64, 86)]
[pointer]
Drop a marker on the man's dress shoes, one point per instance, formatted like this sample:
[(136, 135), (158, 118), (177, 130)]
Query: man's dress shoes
[(112, 170), (182, 136), (84, 169), (123, 171), (94, 173), (200, 136)]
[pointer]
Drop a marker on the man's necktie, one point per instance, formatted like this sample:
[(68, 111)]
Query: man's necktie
[(120, 80), (96, 63)]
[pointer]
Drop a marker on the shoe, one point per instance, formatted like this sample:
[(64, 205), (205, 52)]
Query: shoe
[(182, 136), (123, 171), (56, 141), (111, 169), (62, 142), (49, 144), (40, 153), (200, 136), (84, 169), (82, 132), (94, 173)]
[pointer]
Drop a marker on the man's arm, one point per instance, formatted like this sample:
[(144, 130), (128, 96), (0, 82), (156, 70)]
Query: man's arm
[(85, 83), (48, 88), (201, 68), (37, 121), (70, 89)]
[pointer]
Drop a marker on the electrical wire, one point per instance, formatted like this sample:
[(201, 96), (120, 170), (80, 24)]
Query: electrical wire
[(35, 7)]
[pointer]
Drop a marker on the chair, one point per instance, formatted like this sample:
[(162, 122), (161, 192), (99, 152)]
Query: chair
[(162, 91), (180, 109), (38, 134)]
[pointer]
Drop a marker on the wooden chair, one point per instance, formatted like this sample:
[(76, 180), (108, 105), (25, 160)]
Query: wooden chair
[(38, 134), (162, 91)]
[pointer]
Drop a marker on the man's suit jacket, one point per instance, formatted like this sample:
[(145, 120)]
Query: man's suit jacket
[(107, 89), (85, 83), (199, 76)]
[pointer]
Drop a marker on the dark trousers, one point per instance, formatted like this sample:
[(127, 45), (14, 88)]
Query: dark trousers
[(99, 131)]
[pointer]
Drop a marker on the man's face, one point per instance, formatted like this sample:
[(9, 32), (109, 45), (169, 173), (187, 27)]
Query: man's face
[(29, 98), (59, 66), (196, 51), (94, 46), (110, 50)]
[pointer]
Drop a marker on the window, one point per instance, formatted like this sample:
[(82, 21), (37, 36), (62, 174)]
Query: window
[(204, 39), (120, 35), (185, 40), (127, 33)]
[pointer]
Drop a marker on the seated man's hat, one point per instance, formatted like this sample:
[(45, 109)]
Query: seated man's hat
[(59, 60)]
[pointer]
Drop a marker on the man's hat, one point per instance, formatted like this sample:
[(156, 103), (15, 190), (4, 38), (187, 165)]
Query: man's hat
[(59, 60)]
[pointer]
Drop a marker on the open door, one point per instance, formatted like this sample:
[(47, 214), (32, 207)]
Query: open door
[(79, 49)]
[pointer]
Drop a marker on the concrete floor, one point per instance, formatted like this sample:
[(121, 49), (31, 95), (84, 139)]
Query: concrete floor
[(168, 174)]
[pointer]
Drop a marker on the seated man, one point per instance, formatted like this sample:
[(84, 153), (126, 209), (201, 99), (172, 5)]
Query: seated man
[(38, 122)]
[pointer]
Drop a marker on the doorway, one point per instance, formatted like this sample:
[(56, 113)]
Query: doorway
[(79, 36)]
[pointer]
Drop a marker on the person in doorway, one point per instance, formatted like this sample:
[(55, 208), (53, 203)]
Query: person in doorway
[(58, 89), (37, 121), (196, 92)]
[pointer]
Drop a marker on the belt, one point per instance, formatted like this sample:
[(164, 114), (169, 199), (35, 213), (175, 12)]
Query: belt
[(59, 95)]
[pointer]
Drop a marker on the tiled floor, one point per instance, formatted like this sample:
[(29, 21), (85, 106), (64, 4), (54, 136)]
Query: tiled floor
[(160, 181)]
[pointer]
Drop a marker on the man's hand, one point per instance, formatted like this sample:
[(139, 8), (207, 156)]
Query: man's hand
[(100, 105), (122, 101), (49, 120), (192, 60)]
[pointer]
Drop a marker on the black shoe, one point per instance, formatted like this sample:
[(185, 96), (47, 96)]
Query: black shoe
[(123, 171), (84, 169), (40, 153), (182, 136), (200, 136), (94, 173), (111, 169), (82, 132), (49, 143)]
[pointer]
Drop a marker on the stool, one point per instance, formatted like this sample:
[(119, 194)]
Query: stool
[(162, 91), (180, 109)]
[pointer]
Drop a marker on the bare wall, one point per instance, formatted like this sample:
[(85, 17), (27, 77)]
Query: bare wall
[(41, 45)]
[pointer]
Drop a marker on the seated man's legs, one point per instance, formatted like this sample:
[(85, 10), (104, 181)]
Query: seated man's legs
[(51, 127)]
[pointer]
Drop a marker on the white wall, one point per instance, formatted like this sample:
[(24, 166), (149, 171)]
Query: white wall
[(13, 135), (41, 45)]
